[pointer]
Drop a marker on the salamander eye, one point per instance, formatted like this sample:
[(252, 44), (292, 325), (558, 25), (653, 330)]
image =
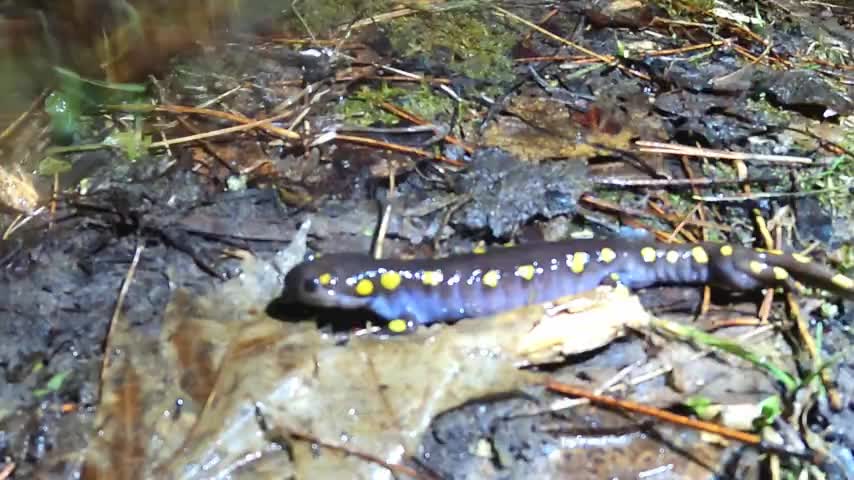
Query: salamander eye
[(310, 285)]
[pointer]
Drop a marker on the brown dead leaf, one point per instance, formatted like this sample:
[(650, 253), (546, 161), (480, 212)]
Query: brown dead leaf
[(541, 129), (258, 395), (17, 191)]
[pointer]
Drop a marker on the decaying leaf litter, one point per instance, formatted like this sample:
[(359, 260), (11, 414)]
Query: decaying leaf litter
[(203, 378)]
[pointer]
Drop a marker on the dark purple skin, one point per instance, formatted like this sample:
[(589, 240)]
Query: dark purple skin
[(462, 292)]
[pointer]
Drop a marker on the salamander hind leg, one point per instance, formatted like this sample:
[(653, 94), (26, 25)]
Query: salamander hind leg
[(747, 269), (808, 272), (770, 275)]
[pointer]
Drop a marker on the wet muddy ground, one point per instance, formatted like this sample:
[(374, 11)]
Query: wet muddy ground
[(143, 262)]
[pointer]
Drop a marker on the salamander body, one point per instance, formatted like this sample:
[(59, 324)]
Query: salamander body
[(424, 291)]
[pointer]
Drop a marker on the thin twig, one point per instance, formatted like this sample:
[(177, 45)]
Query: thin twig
[(396, 468), (23, 116), (764, 195), (744, 437), (118, 310), (420, 121), (235, 117), (222, 131), (677, 149), (603, 58), (386, 219), (330, 136), (20, 221), (665, 182)]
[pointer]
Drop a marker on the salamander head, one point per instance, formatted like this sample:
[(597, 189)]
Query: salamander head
[(329, 281)]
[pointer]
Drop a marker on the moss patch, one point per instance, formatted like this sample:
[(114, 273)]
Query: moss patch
[(363, 107), (323, 16), (837, 178), (467, 40)]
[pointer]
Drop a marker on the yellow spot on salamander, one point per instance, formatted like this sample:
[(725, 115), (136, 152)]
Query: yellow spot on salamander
[(801, 258), (607, 255), (526, 271), (579, 260), (780, 273), (390, 280), (672, 256), (842, 281), (364, 287), (700, 255), (615, 276), (648, 254), (726, 250), (479, 249), (398, 325), (490, 278), (756, 267), (324, 279), (432, 277)]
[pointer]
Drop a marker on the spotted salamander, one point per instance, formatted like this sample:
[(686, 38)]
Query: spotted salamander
[(414, 292)]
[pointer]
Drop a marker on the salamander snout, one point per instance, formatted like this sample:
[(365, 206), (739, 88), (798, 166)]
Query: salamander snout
[(320, 283)]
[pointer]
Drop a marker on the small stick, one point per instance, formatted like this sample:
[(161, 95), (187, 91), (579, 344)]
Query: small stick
[(677, 149), (380, 144), (744, 437), (602, 58)]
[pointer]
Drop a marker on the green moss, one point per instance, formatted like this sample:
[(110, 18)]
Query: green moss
[(427, 103), (464, 36), (466, 40), (50, 166), (613, 196), (322, 17), (715, 235), (836, 179), (828, 52), (363, 107), (773, 114), (680, 203), (685, 8)]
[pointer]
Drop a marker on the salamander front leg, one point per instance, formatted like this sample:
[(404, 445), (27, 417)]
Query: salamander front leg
[(612, 280), (400, 326)]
